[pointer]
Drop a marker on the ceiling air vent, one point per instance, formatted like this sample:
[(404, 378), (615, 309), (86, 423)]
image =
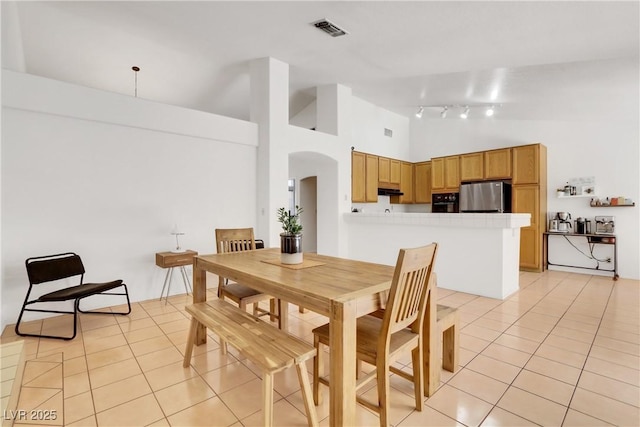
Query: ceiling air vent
[(332, 29)]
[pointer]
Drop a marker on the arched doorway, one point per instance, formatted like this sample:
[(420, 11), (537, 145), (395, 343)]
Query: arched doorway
[(318, 196)]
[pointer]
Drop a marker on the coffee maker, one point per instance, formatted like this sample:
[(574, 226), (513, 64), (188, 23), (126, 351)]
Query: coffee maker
[(564, 222), (583, 226), (553, 222)]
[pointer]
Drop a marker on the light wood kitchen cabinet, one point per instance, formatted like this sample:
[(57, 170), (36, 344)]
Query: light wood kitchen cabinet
[(526, 199), (497, 164), (364, 177), (358, 177), (437, 174), (422, 190), (388, 172), (529, 195), (406, 182), (526, 164), (384, 170), (452, 173), (371, 178), (445, 174), (472, 167), (394, 171)]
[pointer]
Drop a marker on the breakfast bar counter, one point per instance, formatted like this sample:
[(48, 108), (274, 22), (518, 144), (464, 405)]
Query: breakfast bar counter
[(478, 253)]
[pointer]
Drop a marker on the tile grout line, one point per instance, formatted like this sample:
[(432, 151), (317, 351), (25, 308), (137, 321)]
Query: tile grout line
[(511, 384)]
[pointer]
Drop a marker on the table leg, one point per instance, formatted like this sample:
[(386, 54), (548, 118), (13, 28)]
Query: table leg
[(200, 295), (283, 314), (185, 279), (342, 377), (166, 277), (166, 300)]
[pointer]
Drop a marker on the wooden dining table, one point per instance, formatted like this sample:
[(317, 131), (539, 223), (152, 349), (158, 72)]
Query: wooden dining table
[(341, 289)]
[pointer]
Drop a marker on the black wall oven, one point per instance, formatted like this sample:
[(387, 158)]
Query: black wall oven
[(445, 203)]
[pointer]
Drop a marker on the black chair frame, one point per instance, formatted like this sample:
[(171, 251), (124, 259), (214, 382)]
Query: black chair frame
[(49, 268)]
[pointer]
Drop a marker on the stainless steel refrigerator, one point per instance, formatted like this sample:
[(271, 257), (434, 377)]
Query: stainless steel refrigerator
[(489, 196)]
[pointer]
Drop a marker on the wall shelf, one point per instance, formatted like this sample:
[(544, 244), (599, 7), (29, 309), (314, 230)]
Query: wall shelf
[(575, 196), (613, 206)]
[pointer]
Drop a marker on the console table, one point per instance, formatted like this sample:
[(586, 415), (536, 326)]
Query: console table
[(592, 239), (172, 260)]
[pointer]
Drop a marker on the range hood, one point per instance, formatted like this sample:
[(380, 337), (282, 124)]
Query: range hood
[(389, 192)]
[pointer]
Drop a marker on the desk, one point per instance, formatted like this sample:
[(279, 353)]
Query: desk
[(592, 239), (340, 289), (171, 260)]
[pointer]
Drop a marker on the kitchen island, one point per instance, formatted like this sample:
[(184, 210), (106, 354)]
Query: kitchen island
[(478, 253)]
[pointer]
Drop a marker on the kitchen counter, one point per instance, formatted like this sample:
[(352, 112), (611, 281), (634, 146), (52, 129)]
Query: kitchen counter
[(478, 253)]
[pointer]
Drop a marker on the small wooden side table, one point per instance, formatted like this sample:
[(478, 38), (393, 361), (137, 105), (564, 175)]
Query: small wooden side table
[(172, 260)]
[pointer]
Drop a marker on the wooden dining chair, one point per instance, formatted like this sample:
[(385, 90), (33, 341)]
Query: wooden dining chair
[(381, 342), (237, 240)]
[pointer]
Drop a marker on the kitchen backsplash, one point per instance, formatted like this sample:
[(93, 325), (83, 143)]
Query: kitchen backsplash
[(384, 203)]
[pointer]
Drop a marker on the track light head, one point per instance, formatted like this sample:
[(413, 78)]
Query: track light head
[(419, 112), (465, 113), (490, 111), (444, 111)]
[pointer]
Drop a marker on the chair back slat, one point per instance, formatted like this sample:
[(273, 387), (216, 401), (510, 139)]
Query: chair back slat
[(409, 288), (54, 267), (234, 240)]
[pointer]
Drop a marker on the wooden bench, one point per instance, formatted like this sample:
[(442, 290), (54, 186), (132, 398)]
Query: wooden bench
[(268, 347), (448, 319)]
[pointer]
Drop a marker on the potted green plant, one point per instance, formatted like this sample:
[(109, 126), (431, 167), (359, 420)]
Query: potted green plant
[(291, 237)]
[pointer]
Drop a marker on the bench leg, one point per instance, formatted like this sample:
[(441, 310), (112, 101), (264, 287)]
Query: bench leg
[(267, 399), (318, 369), (191, 340), (305, 387), (283, 315)]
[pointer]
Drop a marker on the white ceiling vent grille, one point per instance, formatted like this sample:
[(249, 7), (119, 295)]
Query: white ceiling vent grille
[(330, 28), (388, 132)]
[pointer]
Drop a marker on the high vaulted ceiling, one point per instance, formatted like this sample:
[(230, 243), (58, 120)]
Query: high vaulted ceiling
[(541, 60)]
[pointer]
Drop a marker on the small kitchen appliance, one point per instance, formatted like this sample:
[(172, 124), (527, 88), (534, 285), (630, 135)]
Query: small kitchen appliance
[(583, 226), (553, 225), (488, 196), (564, 222), (445, 203), (605, 225)]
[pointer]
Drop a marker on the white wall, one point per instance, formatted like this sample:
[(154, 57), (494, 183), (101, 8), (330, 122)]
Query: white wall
[(607, 150), (108, 176), (369, 122)]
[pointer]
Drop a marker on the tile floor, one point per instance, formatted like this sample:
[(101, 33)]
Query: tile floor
[(564, 350)]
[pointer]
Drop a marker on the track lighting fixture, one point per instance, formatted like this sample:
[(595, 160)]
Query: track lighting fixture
[(464, 109)]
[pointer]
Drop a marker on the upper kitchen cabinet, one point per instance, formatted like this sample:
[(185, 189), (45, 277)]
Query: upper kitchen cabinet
[(485, 165), (364, 177), (472, 167), (372, 178), (384, 165), (394, 171), (388, 172), (445, 174), (358, 177), (526, 164), (422, 189), (406, 184), (497, 164)]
